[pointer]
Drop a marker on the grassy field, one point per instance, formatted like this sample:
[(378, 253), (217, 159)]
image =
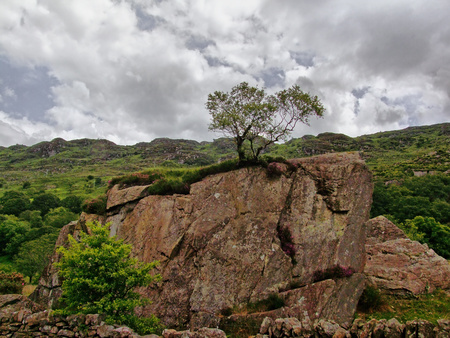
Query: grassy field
[(431, 307)]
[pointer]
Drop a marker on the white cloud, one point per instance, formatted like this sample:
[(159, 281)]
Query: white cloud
[(130, 70)]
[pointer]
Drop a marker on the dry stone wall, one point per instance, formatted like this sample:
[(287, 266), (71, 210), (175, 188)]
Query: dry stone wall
[(293, 327), (20, 317)]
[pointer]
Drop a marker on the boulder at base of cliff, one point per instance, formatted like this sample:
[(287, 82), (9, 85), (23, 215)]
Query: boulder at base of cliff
[(398, 265)]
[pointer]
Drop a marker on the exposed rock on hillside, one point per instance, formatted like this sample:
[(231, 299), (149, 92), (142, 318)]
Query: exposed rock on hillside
[(398, 265), (240, 236)]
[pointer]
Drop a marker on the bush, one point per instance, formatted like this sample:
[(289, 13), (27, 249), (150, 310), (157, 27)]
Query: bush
[(141, 325), (371, 299), (73, 203), (333, 272), (45, 202), (276, 169), (135, 179), (285, 236), (100, 277), (95, 206), (11, 283)]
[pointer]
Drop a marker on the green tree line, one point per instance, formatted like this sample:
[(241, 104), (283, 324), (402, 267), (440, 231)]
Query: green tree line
[(29, 229), (420, 206)]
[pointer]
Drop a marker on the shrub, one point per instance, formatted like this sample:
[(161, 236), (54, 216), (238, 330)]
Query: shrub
[(276, 169), (12, 282), (44, 202), (135, 179), (337, 271), (371, 299), (100, 277), (95, 206), (287, 245), (165, 186)]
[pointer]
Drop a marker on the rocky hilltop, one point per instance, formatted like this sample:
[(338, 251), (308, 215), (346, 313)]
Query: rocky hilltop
[(241, 236)]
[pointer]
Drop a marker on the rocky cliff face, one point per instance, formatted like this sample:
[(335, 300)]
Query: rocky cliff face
[(241, 236)]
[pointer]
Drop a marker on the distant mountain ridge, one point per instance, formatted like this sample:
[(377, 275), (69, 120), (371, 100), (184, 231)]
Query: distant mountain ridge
[(390, 155)]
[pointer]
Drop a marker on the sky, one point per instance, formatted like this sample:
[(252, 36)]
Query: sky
[(133, 70)]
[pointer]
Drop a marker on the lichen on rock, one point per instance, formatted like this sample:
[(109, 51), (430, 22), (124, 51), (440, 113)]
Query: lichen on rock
[(220, 246)]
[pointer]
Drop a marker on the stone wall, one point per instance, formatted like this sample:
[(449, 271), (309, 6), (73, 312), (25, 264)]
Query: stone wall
[(292, 327), (20, 317)]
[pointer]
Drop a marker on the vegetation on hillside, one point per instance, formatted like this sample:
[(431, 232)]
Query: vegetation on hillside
[(45, 186), (420, 206)]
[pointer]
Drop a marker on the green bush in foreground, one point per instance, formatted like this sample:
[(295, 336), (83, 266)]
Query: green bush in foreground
[(100, 277)]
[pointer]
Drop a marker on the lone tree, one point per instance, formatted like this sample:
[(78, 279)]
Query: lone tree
[(248, 114)]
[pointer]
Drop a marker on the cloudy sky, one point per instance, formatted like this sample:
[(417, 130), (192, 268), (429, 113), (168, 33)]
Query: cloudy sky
[(133, 70)]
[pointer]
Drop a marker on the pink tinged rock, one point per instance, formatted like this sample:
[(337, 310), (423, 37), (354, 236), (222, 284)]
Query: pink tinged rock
[(105, 331), (117, 196), (399, 265), (65, 333), (220, 246), (122, 332)]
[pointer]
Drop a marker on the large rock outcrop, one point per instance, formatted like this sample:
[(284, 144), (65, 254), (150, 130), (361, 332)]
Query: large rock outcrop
[(398, 265), (240, 236)]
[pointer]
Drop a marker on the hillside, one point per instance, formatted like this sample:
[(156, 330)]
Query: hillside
[(83, 167), (42, 187)]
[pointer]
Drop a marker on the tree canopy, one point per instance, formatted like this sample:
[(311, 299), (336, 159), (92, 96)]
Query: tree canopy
[(100, 276), (248, 114)]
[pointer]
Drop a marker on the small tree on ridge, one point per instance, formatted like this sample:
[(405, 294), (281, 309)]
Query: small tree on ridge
[(248, 114)]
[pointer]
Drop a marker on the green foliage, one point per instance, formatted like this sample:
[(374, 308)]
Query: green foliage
[(249, 115), (100, 276), (59, 217), (26, 185), (34, 255), (141, 325), (95, 205), (73, 203), (427, 230), (136, 179), (13, 232), (33, 217), (164, 181), (11, 283), (431, 307), (13, 203), (45, 202), (420, 206), (371, 299)]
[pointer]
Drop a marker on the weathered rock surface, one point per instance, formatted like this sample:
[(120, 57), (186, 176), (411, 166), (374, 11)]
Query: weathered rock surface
[(398, 265), (241, 236), (118, 196)]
